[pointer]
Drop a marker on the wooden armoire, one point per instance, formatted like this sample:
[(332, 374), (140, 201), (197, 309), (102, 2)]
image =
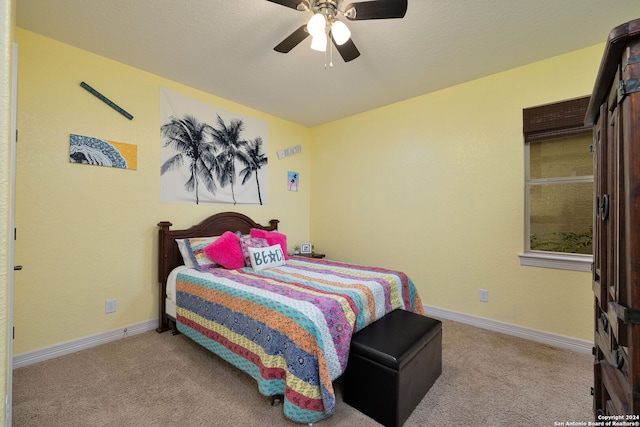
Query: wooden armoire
[(614, 112)]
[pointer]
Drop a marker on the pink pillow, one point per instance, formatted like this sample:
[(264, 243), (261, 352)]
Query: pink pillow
[(273, 238), (226, 251), (247, 242)]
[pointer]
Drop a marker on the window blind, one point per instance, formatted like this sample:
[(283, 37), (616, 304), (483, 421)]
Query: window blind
[(557, 120)]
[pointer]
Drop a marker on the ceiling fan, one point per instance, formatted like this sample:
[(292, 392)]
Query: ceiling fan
[(324, 24)]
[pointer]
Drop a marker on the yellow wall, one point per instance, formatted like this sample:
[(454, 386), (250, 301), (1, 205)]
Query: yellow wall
[(7, 20), (433, 186), (86, 233)]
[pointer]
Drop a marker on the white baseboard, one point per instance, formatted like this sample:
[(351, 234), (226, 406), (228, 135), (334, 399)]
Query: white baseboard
[(574, 344), (580, 346), (57, 350)]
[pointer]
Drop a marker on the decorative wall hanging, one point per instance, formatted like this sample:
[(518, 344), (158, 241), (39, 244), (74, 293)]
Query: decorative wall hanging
[(100, 152), (286, 152), (106, 100), (209, 155), (293, 181)]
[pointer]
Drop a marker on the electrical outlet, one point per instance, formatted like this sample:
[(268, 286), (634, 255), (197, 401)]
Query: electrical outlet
[(110, 306), (484, 295)]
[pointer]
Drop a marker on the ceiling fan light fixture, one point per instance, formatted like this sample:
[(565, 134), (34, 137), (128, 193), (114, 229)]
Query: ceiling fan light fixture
[(340, 32), (319, 42), (316, 25), (324, 23)]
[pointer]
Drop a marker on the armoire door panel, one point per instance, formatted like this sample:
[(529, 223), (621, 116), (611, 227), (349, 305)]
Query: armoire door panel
[(614, 112)]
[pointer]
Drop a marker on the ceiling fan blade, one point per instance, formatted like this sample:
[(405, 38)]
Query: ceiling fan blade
[(292, 40), (348, 50), (381, 9), (293, 4)]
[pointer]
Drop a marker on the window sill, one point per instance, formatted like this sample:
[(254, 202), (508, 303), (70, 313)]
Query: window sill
[(558, 261)]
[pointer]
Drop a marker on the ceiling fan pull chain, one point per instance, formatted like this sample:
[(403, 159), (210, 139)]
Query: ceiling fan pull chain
[(328, 52), (331, 55), (325, 57)]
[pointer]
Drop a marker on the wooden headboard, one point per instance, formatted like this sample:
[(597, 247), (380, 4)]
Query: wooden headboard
[(169, 256)]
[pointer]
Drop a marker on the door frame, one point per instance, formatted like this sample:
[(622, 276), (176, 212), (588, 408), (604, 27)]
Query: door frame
[(12, 225)]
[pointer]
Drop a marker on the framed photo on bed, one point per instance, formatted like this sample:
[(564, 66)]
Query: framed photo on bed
[(305, 248)]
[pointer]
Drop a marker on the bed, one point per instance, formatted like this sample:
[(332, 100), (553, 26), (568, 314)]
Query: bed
[(289, 324)]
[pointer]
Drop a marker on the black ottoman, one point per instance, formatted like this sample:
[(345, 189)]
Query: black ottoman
[(392, 364)]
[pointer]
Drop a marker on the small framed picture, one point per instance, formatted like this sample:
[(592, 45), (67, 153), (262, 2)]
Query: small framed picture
[(305, 248)]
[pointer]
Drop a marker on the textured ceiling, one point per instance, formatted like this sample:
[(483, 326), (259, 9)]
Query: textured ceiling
[(225, 47)]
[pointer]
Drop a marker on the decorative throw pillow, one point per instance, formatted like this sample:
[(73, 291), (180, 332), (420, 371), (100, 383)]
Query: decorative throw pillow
[(247, 242), (192, 251), (273, 238), (186, 255), (271, 256), (226, 251)]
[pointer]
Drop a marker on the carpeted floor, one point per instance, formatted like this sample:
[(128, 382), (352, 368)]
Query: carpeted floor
[(152, 379)]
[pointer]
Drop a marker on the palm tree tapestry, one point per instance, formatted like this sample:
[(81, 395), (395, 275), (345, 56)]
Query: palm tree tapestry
[(209, 155)]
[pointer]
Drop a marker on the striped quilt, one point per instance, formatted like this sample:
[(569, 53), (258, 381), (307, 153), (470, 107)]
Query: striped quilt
[(289, 327)]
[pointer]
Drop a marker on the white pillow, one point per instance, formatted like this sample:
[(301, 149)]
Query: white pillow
[(186, 257), (271, 256), (192, 251)]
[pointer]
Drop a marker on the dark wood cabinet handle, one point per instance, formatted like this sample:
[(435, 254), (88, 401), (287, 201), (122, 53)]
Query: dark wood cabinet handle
[(619, 359), (604, 208)]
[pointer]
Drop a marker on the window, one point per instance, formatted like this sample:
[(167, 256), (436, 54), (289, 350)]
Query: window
[(558, 186)]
